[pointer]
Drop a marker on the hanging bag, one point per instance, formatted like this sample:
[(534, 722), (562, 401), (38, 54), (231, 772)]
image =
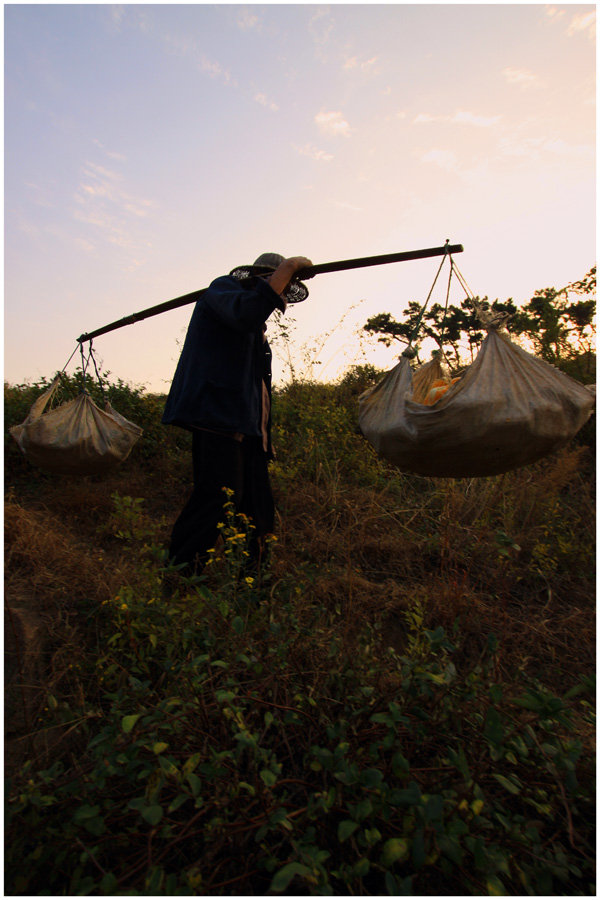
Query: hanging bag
[(508, 410), (77, 437)]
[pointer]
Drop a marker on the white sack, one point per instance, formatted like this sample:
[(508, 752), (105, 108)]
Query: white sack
[(508, 410), (76, 438)]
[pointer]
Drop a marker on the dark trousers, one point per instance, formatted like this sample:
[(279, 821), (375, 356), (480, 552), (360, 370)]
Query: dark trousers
[(220, 461)]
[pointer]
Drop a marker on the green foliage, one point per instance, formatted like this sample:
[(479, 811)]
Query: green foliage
[(559, 325), (231, 716)]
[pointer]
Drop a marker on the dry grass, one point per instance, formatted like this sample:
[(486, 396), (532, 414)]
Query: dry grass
[(374, 553)]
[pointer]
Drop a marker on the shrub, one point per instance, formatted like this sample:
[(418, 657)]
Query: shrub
[(233, 744)]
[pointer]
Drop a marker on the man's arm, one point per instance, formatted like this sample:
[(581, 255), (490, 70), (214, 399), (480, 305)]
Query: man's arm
[(285, 271)]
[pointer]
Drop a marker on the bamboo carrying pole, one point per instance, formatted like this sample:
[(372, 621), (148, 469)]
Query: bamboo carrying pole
[(301, 275)]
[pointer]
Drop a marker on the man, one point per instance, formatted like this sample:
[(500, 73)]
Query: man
[(221, 392)]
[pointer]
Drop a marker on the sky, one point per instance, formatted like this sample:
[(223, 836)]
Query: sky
[(149, 149)]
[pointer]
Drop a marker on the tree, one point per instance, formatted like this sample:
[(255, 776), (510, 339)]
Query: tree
[(446, 326), (559, 324)]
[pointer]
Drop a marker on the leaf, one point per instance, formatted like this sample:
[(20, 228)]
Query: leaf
[(179, 800), (394, 850), (507, 784), (168, 767), (85, 812), (418, 848), (363, 809), (361, 868), (282, 878), (400, 765), (223, 696), (152, 814), (391, 885), (345, 829), (128, 722), (194, 782), (492, 728), (269, 778), (159, 747), (371, 778), (108, 885), (238, 625), (191, 763), (409, 796), (495, 887)]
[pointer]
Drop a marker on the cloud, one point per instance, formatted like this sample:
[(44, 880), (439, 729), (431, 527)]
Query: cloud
[(320, 27), (314, 153), (399, 114), (344, 205), (468, 118), (553, 13), (461, 117), (580, 22), (264, 101), (445, 159), (523, 77), (583, 22), (214, 69), (536, 148), (117, 14), (112, 154), (367, 65), (333, 123), (103, 202), (187, 47), (247, 19)]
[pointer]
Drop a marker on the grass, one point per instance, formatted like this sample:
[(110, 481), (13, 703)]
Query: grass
[(402, 704)]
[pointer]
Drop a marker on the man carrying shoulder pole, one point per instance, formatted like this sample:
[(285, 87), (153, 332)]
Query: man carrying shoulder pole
[(221, 392)]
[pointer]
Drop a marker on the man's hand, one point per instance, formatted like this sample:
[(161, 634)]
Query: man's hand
[(286, 270)]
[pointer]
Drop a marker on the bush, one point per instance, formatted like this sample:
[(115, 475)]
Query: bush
[(401, 703), (232, 743)]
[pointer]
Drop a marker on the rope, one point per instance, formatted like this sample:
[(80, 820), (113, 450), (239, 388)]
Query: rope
[(463, 283), (84, 365), (69, 359), (487, 319), (93, 358), (409, 352), (447, 300)]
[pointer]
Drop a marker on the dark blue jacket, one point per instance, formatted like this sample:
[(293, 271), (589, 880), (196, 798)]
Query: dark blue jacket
[(218, 380)]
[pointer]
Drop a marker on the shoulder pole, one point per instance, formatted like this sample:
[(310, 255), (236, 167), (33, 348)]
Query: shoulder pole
[(302, 274)]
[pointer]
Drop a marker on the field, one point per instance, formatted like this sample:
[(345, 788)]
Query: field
[(403, 703)]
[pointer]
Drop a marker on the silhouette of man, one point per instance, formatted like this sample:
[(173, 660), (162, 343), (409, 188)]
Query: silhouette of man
[(221, 392)]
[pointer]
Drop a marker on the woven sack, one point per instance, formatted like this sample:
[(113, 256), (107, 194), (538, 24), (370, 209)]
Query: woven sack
[(75, 438), (508, 410)]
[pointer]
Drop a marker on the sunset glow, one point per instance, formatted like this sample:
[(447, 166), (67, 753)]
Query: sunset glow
[(151, 148)]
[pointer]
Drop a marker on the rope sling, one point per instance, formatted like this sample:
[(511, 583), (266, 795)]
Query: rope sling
[(507, 410), (76, 437)]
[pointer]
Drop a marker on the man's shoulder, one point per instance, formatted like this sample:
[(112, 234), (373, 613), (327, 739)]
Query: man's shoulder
[(225, 282)]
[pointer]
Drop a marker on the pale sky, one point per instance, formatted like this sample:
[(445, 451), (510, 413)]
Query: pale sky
[(152, 148)]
